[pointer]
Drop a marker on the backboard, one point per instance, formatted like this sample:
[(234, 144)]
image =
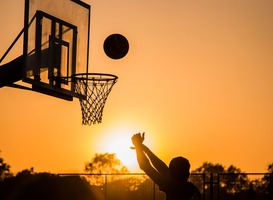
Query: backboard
[(56, 45)]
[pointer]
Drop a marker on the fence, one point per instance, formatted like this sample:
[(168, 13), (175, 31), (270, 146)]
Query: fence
[(237, 186), (221, 186)]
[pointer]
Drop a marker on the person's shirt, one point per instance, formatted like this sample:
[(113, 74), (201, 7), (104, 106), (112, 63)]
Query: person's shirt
[(180, 191)]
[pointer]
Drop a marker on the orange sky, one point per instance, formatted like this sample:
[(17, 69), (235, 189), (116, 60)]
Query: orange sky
[(197, 79)]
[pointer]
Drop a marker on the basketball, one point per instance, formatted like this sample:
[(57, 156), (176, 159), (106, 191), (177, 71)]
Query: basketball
[(116, 46)]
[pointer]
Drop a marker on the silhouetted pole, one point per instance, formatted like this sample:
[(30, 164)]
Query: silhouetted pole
[(211, 186), (270, 186)]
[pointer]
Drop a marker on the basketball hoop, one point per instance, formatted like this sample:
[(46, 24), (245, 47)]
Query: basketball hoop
[(93, 90)]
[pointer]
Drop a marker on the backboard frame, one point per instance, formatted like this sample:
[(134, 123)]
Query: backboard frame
[(56, 81)]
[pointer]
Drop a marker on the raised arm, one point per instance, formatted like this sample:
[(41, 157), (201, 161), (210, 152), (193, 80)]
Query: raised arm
[(160, 166), (144, 162), (158, 171)]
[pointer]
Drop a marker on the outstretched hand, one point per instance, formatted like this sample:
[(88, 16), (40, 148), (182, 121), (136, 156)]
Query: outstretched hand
[(138, 139)]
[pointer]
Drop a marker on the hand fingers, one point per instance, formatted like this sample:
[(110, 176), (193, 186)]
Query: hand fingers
[(139, 135)]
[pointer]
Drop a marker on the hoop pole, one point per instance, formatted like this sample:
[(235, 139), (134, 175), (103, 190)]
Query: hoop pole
[(16, 39), (13, 85), (10, 47)]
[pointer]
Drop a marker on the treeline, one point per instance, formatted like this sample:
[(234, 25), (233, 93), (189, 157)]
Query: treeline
[(28, 184)]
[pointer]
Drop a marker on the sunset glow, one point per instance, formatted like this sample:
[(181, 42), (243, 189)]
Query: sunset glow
[(197, 79), (120, 146)]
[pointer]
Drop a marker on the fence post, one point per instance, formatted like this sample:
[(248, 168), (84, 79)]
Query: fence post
[(218, 186), (105, 186), (211, 186), (270, 187), (204, 186)]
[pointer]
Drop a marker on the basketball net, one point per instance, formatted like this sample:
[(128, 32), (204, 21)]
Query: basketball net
[(96, 87)]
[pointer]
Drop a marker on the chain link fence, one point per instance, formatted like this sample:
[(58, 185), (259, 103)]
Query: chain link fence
[(221, 186)]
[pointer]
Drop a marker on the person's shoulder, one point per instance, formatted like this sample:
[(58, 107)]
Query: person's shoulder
[(191, 185), (195, 193)]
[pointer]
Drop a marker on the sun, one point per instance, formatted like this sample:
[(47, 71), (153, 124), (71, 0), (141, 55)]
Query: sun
[(119, 142), (121, 147)]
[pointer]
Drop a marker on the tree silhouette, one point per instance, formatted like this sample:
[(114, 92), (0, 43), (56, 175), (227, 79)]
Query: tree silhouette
[(106, 163), (209, 167), (266, 184), (4, 170), (270, 168), (108, 168), (44, 186), (227, 182)]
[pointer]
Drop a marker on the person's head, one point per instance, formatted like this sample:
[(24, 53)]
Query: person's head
[(179, 168)]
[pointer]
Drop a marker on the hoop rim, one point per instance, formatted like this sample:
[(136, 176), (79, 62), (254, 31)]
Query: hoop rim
[(94, 76)]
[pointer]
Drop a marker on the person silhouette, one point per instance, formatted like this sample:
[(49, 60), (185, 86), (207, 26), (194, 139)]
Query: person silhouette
[(172, 179)]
